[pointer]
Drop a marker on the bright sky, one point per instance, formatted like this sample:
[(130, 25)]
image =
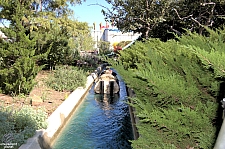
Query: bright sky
[(90, 13)]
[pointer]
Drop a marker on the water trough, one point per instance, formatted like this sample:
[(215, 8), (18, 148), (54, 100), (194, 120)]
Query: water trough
[(56, 121), (100, 121), (61, 116)]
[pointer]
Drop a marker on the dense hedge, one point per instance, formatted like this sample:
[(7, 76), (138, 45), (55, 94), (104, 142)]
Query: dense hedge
[(178, 86)]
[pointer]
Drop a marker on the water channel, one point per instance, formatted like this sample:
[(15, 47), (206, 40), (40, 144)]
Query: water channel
[(100, 122)]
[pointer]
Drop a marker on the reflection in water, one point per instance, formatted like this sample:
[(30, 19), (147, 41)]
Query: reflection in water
[(105, 101), (100, 122)]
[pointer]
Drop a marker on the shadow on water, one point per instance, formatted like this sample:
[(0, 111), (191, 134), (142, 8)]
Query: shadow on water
[(100, 122)]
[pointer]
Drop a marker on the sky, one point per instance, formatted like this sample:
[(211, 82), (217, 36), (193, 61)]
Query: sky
[(90, 13)]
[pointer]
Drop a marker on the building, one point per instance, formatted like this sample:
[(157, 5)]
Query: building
[(2, 35), (111, 35)]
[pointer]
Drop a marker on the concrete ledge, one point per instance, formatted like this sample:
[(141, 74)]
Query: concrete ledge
[(134, 119), (220, 138), (43, 139), (32, 143)]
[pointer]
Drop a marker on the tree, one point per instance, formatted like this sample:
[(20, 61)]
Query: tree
[(67, 39), (157, 18), (32, 34), (83, 38), (52, 22), (57, 26), (18, 68), (104, 47), (139, 16), (196, 15)]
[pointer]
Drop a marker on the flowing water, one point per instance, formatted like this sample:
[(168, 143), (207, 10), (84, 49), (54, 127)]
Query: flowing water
[(100, 122)]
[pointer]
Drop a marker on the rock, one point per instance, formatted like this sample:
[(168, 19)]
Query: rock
[(36, 101)]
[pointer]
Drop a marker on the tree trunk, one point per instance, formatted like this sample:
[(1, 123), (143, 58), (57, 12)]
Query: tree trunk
[(145, 33)]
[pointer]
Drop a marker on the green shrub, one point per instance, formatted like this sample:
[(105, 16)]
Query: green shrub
[(123, 43), (67, 78), (177, 84), (104, 47), (17, 125), (27, 117)]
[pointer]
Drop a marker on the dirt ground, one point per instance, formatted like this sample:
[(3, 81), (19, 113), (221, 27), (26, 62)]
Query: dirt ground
[(40, 97)]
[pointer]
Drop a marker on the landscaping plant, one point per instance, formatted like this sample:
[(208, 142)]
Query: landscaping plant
[(17, 125), (178, 86), (67, 78)]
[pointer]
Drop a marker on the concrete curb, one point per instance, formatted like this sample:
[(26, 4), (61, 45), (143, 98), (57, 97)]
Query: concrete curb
[(43, 139), (134, 119)]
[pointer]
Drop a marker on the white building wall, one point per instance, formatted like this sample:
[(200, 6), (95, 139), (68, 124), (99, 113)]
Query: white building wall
[(116, 36), (97, 35), (2, 35), (113, 36)]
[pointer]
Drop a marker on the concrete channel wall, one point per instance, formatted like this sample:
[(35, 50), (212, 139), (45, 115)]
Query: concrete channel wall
[(43, 139), (220, 144), (133, 117)]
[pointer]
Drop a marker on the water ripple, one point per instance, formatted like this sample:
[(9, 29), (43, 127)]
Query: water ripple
[(99, 123)]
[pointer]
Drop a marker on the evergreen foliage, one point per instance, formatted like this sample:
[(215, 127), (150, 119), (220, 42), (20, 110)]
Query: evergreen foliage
[(18, 68), (177, 85), (51, 24), (36, 38)]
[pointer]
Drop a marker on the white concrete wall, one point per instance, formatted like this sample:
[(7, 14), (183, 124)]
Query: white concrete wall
[(57, 120)]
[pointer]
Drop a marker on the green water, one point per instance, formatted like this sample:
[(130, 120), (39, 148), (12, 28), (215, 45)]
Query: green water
[(99, 123)]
